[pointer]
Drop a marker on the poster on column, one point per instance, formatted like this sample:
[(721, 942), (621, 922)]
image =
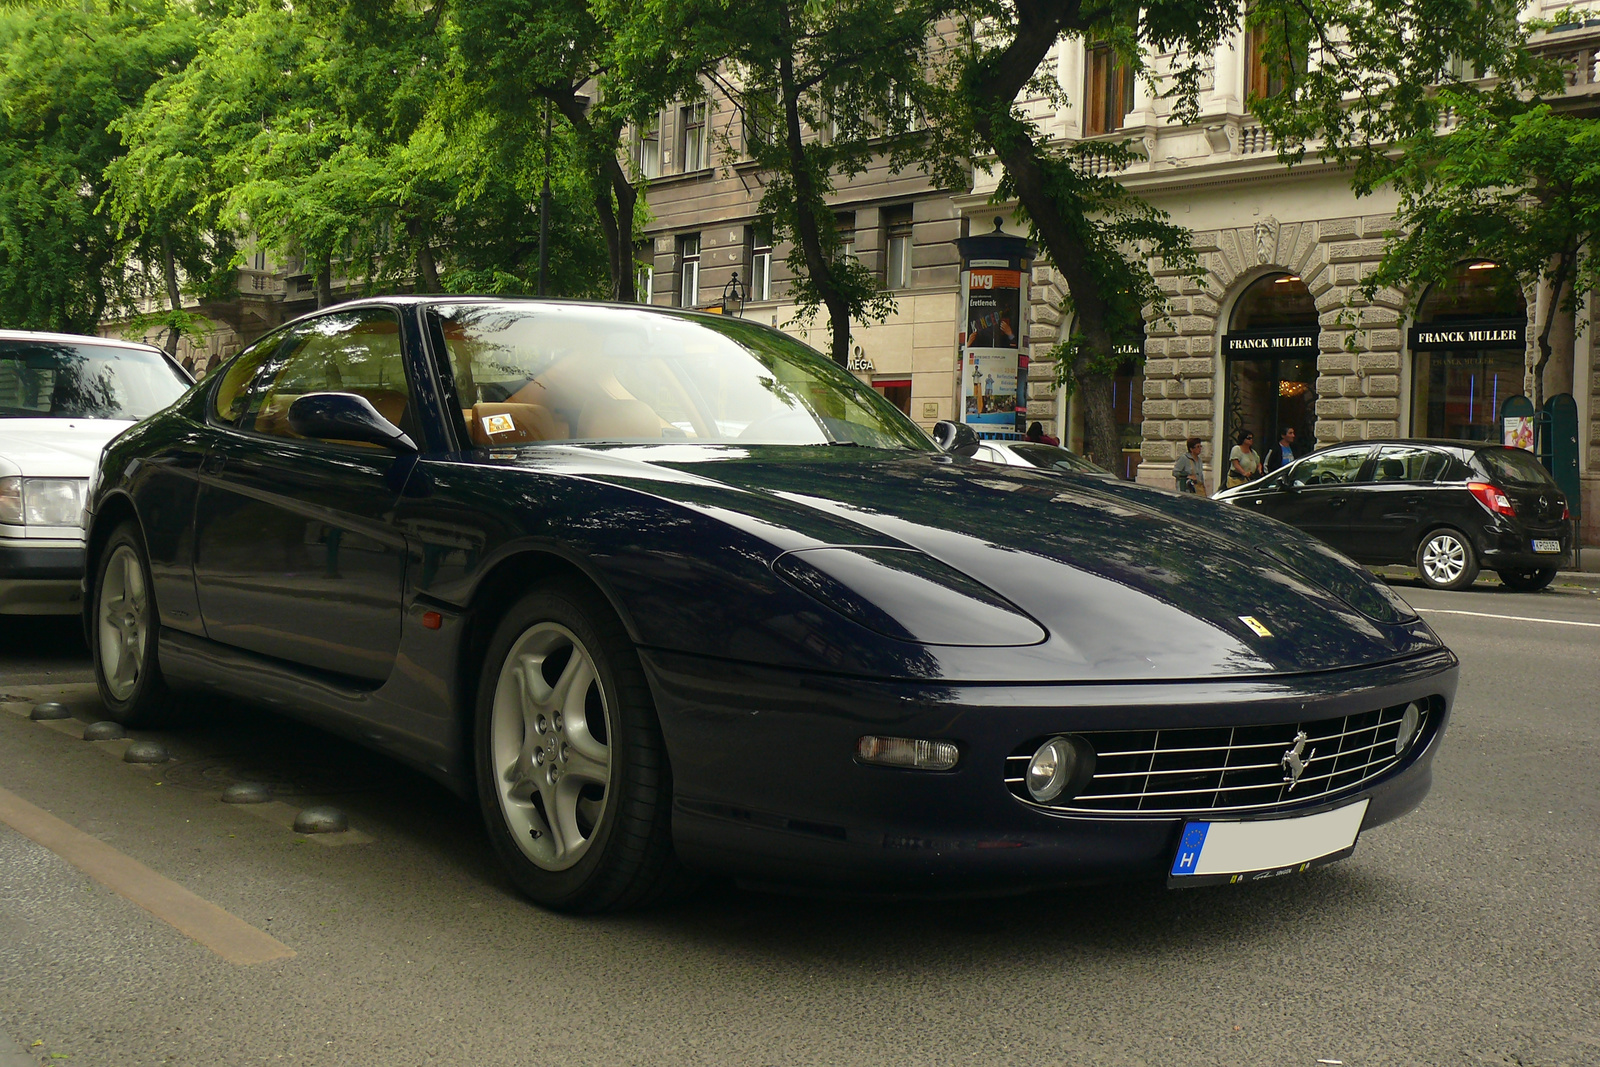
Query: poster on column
[(990, 370)]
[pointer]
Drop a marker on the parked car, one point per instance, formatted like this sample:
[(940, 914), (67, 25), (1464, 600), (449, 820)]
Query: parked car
[(62, 397), (1039, 455), (1445, 507), (672, 591)]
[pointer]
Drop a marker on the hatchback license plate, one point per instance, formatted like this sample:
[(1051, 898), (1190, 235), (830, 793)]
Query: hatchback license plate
[(1546, 546), (1250, 850)]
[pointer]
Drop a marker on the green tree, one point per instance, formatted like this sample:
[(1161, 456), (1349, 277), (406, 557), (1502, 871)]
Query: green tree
[(67, 74)]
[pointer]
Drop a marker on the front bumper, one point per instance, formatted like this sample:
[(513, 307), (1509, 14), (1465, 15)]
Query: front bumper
[(766, 787), (41, 578)]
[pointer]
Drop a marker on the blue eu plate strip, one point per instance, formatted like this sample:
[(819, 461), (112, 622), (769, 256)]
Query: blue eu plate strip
[(1194, 839)]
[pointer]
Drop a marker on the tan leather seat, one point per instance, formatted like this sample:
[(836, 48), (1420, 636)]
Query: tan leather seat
[(606, 419), (510, 424)]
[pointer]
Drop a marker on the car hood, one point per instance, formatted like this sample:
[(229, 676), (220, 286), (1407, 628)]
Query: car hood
[(1128, 582), (55, 448)]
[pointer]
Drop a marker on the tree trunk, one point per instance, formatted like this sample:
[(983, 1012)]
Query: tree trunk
[(808, 227), (615, 197), (1558, 287), (169, 269), (427, 271), (1100, 438), (324, 284)]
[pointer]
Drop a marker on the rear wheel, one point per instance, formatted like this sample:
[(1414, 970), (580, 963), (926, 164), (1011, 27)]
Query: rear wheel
[(125, 634), (1445, 560), (572, 772), (1529, 580)]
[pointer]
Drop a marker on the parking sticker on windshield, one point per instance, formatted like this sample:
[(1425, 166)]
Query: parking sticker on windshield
[(501, 423)]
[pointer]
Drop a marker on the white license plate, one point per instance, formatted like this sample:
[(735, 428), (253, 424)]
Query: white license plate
[(1547, 546), (1248, 850)]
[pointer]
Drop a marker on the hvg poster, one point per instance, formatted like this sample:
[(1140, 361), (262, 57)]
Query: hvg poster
[(990, 378)]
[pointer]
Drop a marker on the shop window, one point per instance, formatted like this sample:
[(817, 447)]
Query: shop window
[(1127, 398), (689, 270), (896, 391), (761, 261), (1267, 69), (897, 233), (1270, 354), (1108, 90), (1468, 353)]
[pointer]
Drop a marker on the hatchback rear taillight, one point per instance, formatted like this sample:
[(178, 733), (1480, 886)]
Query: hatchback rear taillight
[(1566, 516), (1493, 500)]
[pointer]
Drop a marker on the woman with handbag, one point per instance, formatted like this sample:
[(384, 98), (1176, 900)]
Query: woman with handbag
[(1243, 462)]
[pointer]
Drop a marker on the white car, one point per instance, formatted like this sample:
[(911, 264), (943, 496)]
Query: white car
[(1037, 454), (62, 397)]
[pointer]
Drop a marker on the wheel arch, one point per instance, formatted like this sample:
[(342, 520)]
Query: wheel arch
[(113, 511), (500, 586)]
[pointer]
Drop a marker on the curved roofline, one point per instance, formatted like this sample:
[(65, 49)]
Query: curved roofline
[(76, 338)]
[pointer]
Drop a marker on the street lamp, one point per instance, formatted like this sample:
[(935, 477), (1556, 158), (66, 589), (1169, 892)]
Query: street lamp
[(734, 295)]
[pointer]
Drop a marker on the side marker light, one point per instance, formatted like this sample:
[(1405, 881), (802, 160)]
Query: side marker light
[(909, 752), (432, 620)]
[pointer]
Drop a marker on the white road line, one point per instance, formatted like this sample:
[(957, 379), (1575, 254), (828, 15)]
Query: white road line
[(1508, 618)]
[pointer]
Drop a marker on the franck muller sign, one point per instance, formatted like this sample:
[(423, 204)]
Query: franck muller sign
[(1466, 336), (1271, 343)]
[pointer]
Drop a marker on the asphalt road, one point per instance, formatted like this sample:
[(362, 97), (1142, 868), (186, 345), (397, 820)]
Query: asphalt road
[(1465, 934)]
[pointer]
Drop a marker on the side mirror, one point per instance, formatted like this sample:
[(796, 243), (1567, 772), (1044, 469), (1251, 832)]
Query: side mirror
[(346, 417), (956, 438)]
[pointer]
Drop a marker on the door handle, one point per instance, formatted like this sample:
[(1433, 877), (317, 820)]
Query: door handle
[(213, 463), (1336, 502)]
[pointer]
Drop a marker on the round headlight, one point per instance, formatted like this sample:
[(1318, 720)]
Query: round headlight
[(1051, 769), (1408, 728)]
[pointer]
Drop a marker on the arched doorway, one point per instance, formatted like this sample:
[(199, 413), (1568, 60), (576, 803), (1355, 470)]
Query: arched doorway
[(1127, 398), (1468, 352), (1270, 352)]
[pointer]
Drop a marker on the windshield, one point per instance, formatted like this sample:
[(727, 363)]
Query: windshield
[(68, 380), (1514, 465), (1052, 457), (574, 373)]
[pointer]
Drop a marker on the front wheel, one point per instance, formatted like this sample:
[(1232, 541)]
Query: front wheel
[(1530, 580), (1445, 560), (572, 773)]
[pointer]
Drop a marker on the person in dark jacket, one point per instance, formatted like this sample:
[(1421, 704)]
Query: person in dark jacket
[(1282, 453)]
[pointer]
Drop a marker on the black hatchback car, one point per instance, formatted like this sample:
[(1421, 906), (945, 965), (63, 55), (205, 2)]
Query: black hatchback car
[(1445, 507)]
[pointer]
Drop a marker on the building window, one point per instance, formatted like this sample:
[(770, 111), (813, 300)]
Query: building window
[(260, 261), (1265, 71), (761, 261), (1468, 353), (845, 227), (1108, 91), (897, 234), (761, 113), (644, 284), (896, 391), (689, 270), (1271, 358), (906, 116), (647, 150), (692, 144)]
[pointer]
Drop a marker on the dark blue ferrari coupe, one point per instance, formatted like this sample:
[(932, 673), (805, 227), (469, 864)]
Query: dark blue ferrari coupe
[(672, 593)]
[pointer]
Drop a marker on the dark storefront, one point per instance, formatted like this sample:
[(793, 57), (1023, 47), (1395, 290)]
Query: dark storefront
[(1127, 396), (1270, 351), (1468, 350)]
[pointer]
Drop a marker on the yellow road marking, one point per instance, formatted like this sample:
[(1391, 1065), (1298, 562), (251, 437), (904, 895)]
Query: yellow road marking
[(227, 935)]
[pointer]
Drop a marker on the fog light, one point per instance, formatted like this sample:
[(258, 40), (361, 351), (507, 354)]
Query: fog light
[(1052, 769), (910, 752), (1408, 728)]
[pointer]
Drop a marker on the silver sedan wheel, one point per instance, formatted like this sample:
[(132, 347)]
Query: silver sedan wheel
[(548, 737), (1444, 557), (124, 624)]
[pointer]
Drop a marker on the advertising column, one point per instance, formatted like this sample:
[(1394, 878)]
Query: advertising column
[(994, 361)]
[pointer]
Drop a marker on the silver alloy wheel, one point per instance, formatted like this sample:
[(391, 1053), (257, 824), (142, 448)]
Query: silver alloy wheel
[(1444, 557), (124, 622), (548, 746)]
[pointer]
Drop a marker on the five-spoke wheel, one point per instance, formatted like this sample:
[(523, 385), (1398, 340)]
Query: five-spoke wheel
[(572, 772), (124, 634)]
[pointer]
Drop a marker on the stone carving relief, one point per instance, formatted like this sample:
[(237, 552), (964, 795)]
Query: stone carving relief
[(1266, 239)]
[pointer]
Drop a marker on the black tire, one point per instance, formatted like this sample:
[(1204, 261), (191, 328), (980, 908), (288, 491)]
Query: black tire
[(127, 668), (622, 840), (1530, 580), (1446, 560)]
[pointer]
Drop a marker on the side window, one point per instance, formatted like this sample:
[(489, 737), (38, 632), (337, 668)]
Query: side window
[(1336, 468), (1406, 463), (346, 352), (246, 378)]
